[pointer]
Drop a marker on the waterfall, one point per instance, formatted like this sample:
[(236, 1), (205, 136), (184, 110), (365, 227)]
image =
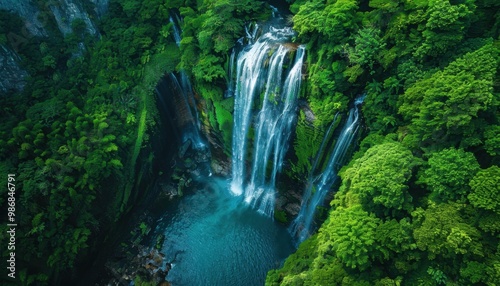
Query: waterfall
[(230, 79), (302, 225), (188, 104), (175, 20), (260, 72), (251, 31), (251, 35)]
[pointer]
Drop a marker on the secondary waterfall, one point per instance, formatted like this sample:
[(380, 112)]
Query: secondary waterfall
[(175, 20), (301, 227), (230, 79), (261, 72), (182, 83)]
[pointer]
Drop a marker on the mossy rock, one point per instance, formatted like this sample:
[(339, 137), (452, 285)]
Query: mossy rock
[(160, 239), (225, 119), (280, 216)]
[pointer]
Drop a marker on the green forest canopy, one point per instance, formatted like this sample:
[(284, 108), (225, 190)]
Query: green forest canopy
[(419, 202)]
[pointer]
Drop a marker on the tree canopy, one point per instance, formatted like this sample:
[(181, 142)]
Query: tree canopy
[(424, 182)]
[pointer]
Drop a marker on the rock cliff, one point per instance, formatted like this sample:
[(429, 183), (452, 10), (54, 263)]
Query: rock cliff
[(12, 76), (37, 18)]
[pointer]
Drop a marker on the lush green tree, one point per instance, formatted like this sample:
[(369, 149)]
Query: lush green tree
[(430, 72), (443, 232), (492, 140), (74, 132), (485, 186), (448, 174), (380, 177), (337, 19), (309, 16), (381, 103), (394, 237), (209, 68), (349, 234), (445, 107), (473, 272), (445, 27), (210, 32), (294, 268), (367, 46), (326, 270)]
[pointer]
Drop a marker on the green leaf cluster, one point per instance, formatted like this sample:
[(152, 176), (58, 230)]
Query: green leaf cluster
[(417, 204), (74, 135)]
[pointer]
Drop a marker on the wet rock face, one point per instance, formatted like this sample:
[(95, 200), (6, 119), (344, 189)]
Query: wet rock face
[(66, 11), (138, 263), (101, 7), (63, 11), (12, 76), (27, 10), (304, 106), (221, 167), (289, 201)]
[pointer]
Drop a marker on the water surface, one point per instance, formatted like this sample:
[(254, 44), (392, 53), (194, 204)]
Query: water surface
[(216, 239)]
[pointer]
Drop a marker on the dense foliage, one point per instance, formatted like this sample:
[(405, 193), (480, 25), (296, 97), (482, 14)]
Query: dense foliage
[(74, 135), (418, 204), (210, 29)]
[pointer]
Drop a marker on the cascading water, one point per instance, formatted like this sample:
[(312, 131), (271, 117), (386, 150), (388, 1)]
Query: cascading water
[(209, 238), (251, 35), (301, 227), (184, 116), (175, 20), (184, 84), (251, 31), (260, 69), (230, 81)]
